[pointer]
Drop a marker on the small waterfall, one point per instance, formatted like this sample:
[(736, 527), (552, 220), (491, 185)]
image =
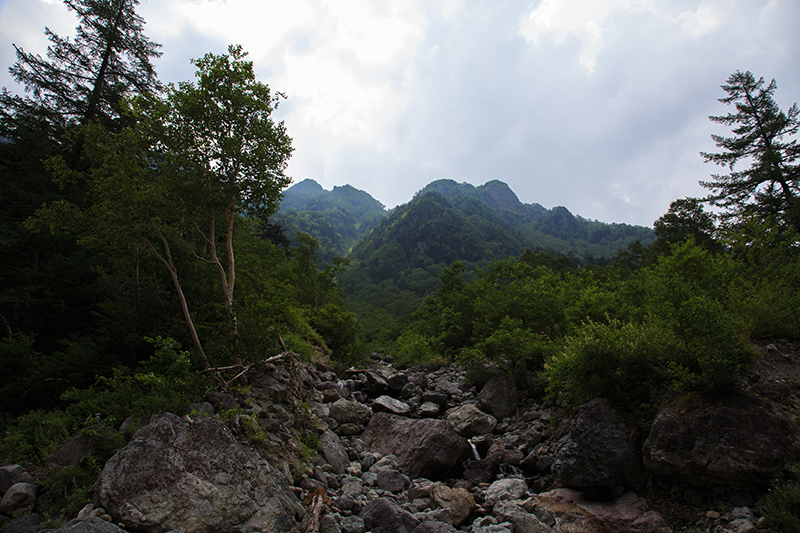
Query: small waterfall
[(475, 453)]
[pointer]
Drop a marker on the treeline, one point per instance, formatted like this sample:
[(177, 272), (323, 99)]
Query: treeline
[(131, 211)]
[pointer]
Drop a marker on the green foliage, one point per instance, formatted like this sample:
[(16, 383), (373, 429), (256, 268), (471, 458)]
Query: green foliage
[(510, 349), (68, 489), (412, 348), (764, 137), (688, 293), (165, 382), (767, 294), (621, 362), (781, 507)]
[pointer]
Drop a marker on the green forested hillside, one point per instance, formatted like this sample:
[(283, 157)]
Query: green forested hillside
[(336, 219), (399, 262)]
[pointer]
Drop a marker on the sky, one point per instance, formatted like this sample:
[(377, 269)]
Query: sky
[(600, 106)]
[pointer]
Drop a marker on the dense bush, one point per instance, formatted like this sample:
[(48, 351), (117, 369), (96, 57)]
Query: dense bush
[(782, 507), (622, 362)]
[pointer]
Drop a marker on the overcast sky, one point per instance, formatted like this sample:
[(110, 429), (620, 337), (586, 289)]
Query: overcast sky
[(597, 105)]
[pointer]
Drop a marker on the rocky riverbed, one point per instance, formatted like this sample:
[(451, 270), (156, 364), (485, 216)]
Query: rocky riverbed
[(382, 449)]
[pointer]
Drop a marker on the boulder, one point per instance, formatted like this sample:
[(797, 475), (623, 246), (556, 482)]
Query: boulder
[(72, 450), (523, 521), (434, 527), (334, 453), (352, 524), (470, 421), (388, 404), (458, 501), (599, 451), (11, 474), (193, 476), (424, 447), (627, 514), (91, 524), (742, 442), (19, 498), (383, 515), (23, 524), (499, 397), (392, 480), (506, 489), (348, 412)]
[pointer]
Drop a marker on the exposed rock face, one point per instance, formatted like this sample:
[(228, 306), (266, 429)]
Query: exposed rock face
[(499, 397), (424, 447), (742, 442), (194, 477), (598, 452)]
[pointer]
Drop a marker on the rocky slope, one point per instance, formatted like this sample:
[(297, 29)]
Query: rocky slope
[(413, 450)]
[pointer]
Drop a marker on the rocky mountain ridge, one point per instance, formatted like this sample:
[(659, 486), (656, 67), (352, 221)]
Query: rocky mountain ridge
[(418, 450)]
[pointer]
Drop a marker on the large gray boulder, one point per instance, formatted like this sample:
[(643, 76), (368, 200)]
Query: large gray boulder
[(334, 452), (383, 515), (469, 421), (499, 397), (743, 441), (348, 412), (598, 452), (424, 447), (195, 477)]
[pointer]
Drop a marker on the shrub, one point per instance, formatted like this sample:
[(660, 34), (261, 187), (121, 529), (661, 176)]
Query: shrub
[(617, 361), (511, 349), (412, 348), (782, 507)]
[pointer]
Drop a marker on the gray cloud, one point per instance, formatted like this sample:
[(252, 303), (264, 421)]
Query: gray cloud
[(599, 106)]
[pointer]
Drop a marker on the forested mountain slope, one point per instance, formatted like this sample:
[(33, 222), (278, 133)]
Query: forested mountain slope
[(337, 218), (400, 260)]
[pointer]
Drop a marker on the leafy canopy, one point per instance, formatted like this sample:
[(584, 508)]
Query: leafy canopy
[(763, 138)]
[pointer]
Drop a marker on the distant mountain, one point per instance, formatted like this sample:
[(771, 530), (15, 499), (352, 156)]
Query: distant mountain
[(399, 261), (555, 230), (337, 218)]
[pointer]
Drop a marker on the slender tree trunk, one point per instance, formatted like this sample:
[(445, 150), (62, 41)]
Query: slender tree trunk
[(166, 259)]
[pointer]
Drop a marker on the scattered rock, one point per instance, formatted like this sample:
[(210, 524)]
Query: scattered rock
[(332, 450), (459, 502), (388, 404), (19, 498)]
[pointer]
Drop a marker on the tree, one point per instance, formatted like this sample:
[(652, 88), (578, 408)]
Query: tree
[(85, 78), (685, 218), (197, 159), (763, 138)]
